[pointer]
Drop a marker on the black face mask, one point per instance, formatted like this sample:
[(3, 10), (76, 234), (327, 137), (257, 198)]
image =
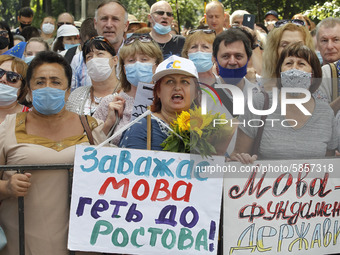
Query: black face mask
[(4, 42), (24, 25)]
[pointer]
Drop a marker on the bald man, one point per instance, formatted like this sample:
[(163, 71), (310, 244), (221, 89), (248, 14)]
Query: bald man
[(65, 18), (160, 18), (215, 16)]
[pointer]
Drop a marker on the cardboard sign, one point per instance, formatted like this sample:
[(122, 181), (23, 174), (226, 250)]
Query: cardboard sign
[(143, 202), (286, 207), (144, 98)]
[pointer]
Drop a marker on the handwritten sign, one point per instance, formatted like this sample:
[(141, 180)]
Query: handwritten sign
[(143, 202), (144, 98), (287, 207)]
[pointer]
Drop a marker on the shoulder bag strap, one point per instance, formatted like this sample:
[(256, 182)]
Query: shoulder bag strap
[(257, 140), (226, 101), (334, 77), (87, 128)]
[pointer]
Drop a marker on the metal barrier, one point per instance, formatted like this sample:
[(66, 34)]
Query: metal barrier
[(21, 207)]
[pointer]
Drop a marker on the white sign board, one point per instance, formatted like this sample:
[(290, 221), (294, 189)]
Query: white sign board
[(287, 207), (144, 98), (143, 202)]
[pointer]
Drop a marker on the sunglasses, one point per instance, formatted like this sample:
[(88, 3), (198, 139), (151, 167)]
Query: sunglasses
[(161, 13), (141, 38), (297, 22), (11, 77), (3, 33), (206, 31)]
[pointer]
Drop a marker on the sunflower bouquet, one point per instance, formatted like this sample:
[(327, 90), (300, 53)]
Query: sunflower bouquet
[(194, 132)]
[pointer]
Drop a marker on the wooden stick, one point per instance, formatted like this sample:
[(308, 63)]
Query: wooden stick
[(148, 131)]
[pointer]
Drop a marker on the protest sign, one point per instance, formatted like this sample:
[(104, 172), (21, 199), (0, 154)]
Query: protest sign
[(143, 98), (286, 207), (143, 202)]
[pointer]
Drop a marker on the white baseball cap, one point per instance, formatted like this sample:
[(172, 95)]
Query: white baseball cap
[(175, 65), (67, 30)]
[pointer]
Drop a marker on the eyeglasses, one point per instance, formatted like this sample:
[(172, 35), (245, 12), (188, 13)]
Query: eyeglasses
[(141, 38), (297, 22), (161, 13), (206, 31), (11, 77), (3, 33)]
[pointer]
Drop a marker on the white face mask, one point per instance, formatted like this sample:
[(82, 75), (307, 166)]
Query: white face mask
[(47, 28), (99, 69), (8, 94)]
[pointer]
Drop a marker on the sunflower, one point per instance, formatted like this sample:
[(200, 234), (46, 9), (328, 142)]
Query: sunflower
[(198, 121), (183, 121)]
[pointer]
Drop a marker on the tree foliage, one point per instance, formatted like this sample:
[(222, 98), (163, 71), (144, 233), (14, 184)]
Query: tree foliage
[(190, 11), (285, 8), (328, 9)]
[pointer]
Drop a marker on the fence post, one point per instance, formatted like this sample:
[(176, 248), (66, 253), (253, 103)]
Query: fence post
[(21, 210)]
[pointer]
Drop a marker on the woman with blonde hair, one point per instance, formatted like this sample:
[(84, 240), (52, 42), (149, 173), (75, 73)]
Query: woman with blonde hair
[(138, 59), (198, 47), (284, 33)]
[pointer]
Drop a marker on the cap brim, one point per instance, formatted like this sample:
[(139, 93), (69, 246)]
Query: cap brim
[(143, 24), (165, 72)]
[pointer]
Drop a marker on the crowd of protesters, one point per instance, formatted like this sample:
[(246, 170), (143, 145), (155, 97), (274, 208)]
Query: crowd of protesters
[(51, 75)]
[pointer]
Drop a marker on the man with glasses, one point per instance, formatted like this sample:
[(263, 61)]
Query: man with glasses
[(25, 19), (160, 18), (215, 16), (111, 21), (65, 18)]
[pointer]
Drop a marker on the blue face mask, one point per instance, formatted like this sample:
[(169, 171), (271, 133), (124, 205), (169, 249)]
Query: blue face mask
[(8, 94), (28, 59), (162, 30), (232, 76), (202, 60), (139, 72), (48, 100), (68, 46)]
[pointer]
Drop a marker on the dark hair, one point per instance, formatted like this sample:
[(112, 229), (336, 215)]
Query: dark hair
[(230, 36), (87, 30), (98, 44), (29, 32), (26, 12), (49, 57), (58, 45), (157, 104), (261, 25), (4, 25), (299, 50)]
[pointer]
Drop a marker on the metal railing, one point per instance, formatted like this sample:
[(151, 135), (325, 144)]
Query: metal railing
[(21, 206)]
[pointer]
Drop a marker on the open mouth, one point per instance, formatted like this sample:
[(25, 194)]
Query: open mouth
[(177, 98), (164, 23)]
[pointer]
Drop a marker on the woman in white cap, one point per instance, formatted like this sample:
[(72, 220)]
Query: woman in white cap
[(176, 90), (67, 37)]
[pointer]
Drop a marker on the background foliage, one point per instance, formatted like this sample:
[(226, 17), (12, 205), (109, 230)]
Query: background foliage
[(190, 11)]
